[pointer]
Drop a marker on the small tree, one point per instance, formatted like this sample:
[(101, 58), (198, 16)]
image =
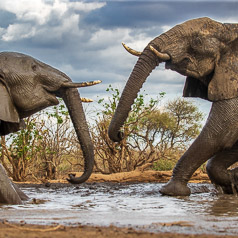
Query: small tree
[(56, 140), (185, 124), (20, 150), (117, 157), (167, 133), (150, 133), (42, 147)]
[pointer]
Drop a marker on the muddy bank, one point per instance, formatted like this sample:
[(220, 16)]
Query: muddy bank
[(138, 176), (35, 231), (144, 176)]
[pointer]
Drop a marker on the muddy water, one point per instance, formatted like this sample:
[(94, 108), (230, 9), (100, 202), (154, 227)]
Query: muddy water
[(136, 205)]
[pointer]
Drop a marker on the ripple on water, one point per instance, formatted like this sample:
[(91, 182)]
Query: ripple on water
[(140, 205)]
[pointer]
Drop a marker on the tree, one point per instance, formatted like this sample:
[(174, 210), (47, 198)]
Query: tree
[(20, 149), (186, 122), (111, 157), (41, 147), (150, 133), (57, 142), (167, 133)]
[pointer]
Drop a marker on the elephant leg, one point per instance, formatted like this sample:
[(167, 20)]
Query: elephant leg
[(220, 132), (8, 194), (217, 169), (20, 193)]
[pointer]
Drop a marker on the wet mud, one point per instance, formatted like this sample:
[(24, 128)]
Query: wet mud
[(135, 205)]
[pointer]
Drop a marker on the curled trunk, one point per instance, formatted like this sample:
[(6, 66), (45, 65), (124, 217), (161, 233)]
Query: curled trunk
[(147, 61), (145, 64), (73, 102)]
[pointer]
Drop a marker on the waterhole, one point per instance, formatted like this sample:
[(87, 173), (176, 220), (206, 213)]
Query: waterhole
[(139, 205)]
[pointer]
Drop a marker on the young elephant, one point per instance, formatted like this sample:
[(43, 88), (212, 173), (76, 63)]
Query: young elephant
[(206, 52), (28, 86)]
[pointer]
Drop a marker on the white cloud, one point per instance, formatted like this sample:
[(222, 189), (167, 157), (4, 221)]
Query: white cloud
[(18, 31), (68, 25), (108, 37), (165, 28), (26, 10), (86, 7), (56, 16), (227, 19)]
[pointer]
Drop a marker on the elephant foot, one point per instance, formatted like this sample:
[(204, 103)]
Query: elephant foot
[(228, 186), (234, 180), (175, 188)]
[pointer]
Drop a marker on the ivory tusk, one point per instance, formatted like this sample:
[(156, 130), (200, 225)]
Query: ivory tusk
[(161, 56), (79, 85), (86, 100), (131, 51)]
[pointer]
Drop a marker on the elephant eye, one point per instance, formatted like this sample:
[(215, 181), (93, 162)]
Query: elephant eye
[(197, 42), (187, 61), (34, 67)]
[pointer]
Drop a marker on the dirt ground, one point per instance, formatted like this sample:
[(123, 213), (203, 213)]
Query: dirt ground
[(138, 176), (36, 231), (12, 230)]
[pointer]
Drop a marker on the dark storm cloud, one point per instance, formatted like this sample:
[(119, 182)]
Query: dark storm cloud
[(6, 18), (146, 14)]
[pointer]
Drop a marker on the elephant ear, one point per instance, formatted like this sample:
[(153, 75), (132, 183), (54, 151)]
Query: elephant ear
[(8, 111), (224, 83), (9, 118)]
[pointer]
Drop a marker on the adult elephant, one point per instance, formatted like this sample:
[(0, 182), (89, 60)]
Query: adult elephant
[(28, 86), (206, 52)]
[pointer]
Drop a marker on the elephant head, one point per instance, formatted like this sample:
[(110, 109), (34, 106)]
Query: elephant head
[(202, 49), (28, 86)]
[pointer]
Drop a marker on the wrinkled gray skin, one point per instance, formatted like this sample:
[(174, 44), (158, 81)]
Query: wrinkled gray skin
[(28, 86), (9, 192), (206, 52)]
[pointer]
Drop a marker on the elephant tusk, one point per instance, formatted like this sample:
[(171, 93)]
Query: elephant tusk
[(161, 56), (131, 51), (86, 100), (80, 85)]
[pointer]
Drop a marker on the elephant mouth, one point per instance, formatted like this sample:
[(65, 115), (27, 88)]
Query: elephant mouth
[(168, 65), (184, 68)]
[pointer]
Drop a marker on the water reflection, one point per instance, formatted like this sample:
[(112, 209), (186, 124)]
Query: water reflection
[(123, 204), (224, 205)]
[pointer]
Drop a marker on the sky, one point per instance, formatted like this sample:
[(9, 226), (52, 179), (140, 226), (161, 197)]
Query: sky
[(83, 38)]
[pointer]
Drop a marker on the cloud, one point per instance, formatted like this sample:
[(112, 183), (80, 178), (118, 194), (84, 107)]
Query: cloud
[(145, 14), (40, 17), (83, 38), (41, 11), (18, 31)]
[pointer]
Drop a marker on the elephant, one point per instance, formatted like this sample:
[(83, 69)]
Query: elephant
[(206, 52), (27, 86)]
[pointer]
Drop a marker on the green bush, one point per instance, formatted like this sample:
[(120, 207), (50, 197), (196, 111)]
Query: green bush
[(164, 165)]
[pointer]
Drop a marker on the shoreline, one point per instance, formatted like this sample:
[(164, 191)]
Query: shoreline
[(136, 176), (13, 230)]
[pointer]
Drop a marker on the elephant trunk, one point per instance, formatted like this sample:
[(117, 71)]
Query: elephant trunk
[(72, 100), (144, 66), (148, 60)]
